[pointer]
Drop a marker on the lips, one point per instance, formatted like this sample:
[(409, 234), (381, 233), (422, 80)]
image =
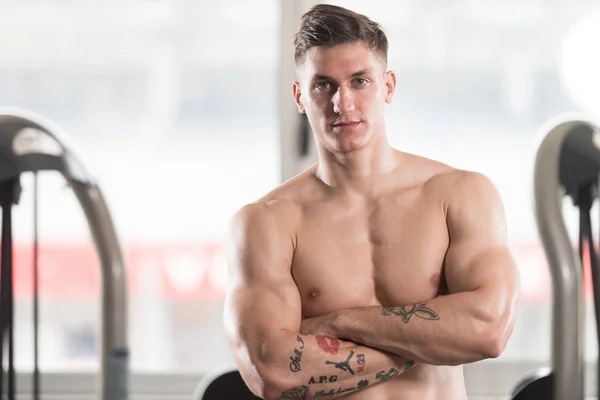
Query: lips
[(348, 124)]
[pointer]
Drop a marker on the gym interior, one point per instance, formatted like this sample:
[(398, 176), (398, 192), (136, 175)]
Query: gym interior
[(137, 128)]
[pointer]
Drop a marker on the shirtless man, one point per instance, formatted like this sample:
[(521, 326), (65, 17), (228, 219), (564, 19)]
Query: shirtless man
[(374, 274)]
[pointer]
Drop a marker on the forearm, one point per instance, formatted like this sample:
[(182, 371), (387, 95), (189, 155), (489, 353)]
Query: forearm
[(447, 330), (308, 366)]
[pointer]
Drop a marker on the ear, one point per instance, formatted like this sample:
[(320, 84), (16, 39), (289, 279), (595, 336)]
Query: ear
[(298, 96), (390, 85)]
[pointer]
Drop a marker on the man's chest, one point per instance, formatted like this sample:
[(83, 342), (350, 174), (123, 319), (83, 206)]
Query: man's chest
[(391, 254)]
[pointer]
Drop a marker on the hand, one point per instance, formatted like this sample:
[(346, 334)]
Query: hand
[(322, 325)]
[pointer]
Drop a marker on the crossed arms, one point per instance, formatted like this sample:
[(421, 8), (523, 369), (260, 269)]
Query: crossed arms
[(282, 357)]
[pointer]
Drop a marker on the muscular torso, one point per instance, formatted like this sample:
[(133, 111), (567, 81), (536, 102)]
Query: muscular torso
[(388, 251)]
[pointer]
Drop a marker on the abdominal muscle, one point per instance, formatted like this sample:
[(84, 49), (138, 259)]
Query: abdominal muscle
[(423, 382)]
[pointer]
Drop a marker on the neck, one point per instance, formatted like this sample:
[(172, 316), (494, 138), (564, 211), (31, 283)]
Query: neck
[(359, 171)]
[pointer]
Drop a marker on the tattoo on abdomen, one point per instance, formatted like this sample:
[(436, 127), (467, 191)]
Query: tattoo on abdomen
[(386, 376), (328, 345), (297, 357), (299, 393), (419, 310), (343, 365)]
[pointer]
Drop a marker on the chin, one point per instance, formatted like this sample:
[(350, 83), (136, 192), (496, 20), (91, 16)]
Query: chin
[(348, 144), (349, 148)]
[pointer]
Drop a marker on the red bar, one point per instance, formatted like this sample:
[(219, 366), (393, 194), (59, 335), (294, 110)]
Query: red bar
[(186, 270)]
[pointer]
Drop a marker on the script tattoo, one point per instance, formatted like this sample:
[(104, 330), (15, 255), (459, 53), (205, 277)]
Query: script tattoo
[(322, 379), (328, 345), (298, 393), (419, 310), (360, 358), (297, 357), (332, 392), (353, 388), (322, 393), (361, 385), (344, 365), (382, 376)]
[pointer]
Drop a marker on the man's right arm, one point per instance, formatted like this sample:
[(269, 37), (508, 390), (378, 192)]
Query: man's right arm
[(263, 315)]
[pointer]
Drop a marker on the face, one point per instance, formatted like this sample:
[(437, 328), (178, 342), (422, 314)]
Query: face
[(343, 91)]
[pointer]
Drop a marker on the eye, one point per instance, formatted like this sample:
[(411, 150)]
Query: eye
[(322, 85), (361, 81)]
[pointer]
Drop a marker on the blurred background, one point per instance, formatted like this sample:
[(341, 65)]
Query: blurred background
[(177, 107)]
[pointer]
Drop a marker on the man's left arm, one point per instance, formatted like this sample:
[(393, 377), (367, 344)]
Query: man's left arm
[(471, 323)]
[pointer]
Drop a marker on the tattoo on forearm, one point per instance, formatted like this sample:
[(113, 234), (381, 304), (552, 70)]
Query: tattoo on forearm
[(360, 358), (409, 364), (419, 310), (361, 385), (322, 393), (297, 357), (328, 345), (383, 376), (352, 389), (344, 365), (332, 392), (322, 379), (299, 393)]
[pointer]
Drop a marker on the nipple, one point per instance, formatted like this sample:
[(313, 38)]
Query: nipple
[(435, 279)]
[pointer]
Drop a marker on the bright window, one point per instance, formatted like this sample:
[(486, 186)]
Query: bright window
[(174, 107)]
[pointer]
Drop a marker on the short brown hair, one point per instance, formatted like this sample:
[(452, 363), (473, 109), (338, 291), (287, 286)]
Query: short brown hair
[(329, 25)]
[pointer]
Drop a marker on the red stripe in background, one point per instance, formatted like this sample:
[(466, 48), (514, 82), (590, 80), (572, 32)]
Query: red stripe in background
[(193, 271), (71, 271)]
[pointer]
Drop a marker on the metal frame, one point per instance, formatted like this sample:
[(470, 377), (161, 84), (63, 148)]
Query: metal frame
[(31, 143), (567, 360)]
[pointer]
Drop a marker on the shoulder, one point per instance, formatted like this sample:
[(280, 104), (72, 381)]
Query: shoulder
[(470, 187), (460, 181), (462, 193), (457, 186), (263, 217), (472, 205), (298, 189), (278, 211), (424, 170)]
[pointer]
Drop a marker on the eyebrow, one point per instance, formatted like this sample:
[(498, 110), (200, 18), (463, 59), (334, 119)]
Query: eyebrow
[(319, 77)]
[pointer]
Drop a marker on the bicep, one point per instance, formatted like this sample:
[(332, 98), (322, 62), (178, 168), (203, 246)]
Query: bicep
[(262, 299), (478, 256)]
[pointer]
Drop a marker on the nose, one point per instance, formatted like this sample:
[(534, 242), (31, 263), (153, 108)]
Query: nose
[(343, 101)]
